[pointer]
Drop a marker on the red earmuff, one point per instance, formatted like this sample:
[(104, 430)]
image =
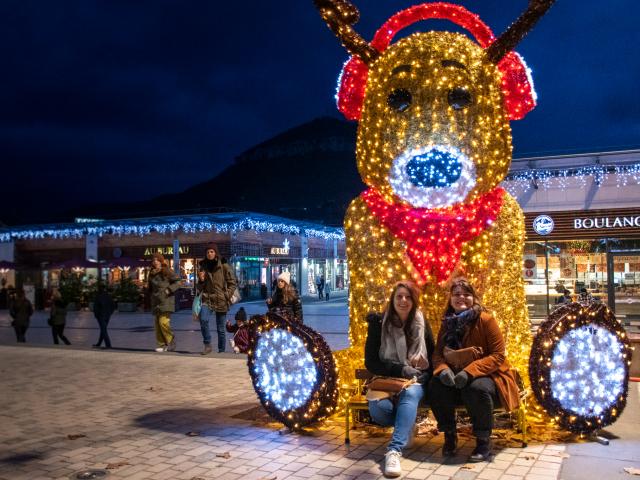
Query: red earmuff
[(517, 84)]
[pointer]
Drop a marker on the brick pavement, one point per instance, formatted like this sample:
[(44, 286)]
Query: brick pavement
[(134, 410)]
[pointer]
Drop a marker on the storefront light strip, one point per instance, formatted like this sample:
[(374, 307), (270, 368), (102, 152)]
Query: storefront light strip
[(141, 229), (561, 178)]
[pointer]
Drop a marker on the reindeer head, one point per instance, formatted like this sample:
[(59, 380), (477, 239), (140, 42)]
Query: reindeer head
[(434, 108)]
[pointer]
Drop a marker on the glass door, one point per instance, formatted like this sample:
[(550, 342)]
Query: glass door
[(626, 285)]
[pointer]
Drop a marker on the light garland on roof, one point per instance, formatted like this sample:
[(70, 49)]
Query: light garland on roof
[(142, 228), (546, 179)]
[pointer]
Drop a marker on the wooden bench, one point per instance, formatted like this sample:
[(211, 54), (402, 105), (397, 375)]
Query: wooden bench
[(358, 401)]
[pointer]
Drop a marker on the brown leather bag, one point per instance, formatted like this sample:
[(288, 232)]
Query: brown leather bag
[(389, 384), (458, 359)]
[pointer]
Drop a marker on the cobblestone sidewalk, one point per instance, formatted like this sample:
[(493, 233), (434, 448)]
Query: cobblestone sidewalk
[(69, 410)]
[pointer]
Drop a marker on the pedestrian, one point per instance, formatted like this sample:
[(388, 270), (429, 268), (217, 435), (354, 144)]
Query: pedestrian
[(469, 366), (21, 311), (240, 341), (319, 286), (162, 286), (217, 283), (285, 300), (564, 298), (327, 291), (103, 308), (399, 344), (585, 298), (58, 318)]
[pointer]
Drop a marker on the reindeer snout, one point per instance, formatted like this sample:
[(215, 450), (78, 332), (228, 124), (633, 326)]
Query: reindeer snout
[(432, 176), (434, 168)]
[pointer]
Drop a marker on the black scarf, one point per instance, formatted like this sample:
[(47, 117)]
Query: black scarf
[(209, 265), (456, 326)]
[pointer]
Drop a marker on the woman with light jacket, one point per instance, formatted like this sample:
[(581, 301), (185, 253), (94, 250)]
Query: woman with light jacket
[(470, 367), (162, 284), (399, 344)]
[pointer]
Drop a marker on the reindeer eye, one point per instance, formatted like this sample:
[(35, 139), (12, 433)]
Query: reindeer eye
[(399, 99), (459, 98)]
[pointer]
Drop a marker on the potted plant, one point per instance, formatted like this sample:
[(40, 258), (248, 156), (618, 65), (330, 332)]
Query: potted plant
[(127, 294), (71, 290)]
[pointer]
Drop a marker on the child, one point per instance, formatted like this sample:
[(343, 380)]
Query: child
[(240, 340)]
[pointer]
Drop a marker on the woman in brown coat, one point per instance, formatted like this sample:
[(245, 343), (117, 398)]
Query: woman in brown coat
[(470, 367)]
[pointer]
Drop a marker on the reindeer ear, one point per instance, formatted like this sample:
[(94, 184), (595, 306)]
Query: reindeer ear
[(352, 83), (517, 86)]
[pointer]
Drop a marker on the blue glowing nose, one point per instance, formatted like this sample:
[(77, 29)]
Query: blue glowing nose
[(435, 168)]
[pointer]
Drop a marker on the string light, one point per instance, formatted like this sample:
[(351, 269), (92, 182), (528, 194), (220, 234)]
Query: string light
[(522, 181), (433, 144), (292, 370), (579, 366), (220, 223)]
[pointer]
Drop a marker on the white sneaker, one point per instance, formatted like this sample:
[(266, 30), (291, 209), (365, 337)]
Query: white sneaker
[(392, 466), (161, 349)]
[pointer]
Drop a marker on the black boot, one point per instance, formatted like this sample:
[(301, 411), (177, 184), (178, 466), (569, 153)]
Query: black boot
[(450, 444), (482, 452)]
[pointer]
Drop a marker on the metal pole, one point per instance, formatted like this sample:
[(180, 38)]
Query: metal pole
[(546, 271)]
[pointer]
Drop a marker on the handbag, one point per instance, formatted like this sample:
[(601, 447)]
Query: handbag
[(196, 306), (459, 359), (392, 385)]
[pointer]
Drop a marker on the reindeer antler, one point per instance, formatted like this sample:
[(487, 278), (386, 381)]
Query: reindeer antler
[(340, 15), (518, 29)]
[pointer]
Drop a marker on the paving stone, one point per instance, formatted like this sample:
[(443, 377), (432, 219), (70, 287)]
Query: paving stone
[(124, 420)]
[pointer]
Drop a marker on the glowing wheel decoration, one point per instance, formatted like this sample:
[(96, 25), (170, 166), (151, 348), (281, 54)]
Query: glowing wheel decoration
[(579, 367), (292, 369)]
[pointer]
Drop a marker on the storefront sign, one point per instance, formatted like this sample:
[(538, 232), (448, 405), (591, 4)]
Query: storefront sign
[(165, 250), (606, 222), (583, 225), (281, 251), (543, 224)]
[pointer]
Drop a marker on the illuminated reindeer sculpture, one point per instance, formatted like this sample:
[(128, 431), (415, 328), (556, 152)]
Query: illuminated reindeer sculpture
[(433, 144)]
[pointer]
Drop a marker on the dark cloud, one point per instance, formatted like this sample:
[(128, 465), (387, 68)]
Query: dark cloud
[(117, 99)]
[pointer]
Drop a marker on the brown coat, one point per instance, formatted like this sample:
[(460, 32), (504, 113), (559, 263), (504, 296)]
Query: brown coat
[(485, 333)]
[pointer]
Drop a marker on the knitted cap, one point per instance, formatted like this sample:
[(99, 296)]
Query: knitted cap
[(285, 277)]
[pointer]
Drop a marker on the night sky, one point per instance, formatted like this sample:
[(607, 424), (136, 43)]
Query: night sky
[(105, 101)]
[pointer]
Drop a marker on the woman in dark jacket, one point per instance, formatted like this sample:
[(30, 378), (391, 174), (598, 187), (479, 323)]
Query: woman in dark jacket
[(58, 318), (285, 299), (399, 344), (163, 284), (469, 365), (21, 311)]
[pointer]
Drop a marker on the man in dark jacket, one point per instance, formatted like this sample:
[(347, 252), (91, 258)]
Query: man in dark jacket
[(21, 311), (217, 283), (103, 308)]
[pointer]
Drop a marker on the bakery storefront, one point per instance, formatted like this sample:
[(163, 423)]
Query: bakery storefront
[(598, 250)]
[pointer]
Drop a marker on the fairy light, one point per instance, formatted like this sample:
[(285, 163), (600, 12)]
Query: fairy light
[(580, 362), (548, 179), (292, 370), (220, 223), (434, 143)]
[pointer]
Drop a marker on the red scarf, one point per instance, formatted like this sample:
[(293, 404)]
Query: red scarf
[(435, 237)]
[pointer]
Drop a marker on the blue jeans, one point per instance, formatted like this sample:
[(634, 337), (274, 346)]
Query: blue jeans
[(205, 314), (402, 415)]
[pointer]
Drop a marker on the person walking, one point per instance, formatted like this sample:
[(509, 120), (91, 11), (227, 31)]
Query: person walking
[(469, 365), (103, 308), (399, 344), (162, 285), (285, 300), (319, 286), (58, 318), (564, 298), (21, 311), (217, 283)]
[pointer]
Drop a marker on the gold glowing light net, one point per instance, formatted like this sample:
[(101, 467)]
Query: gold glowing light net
[(429, 66)]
